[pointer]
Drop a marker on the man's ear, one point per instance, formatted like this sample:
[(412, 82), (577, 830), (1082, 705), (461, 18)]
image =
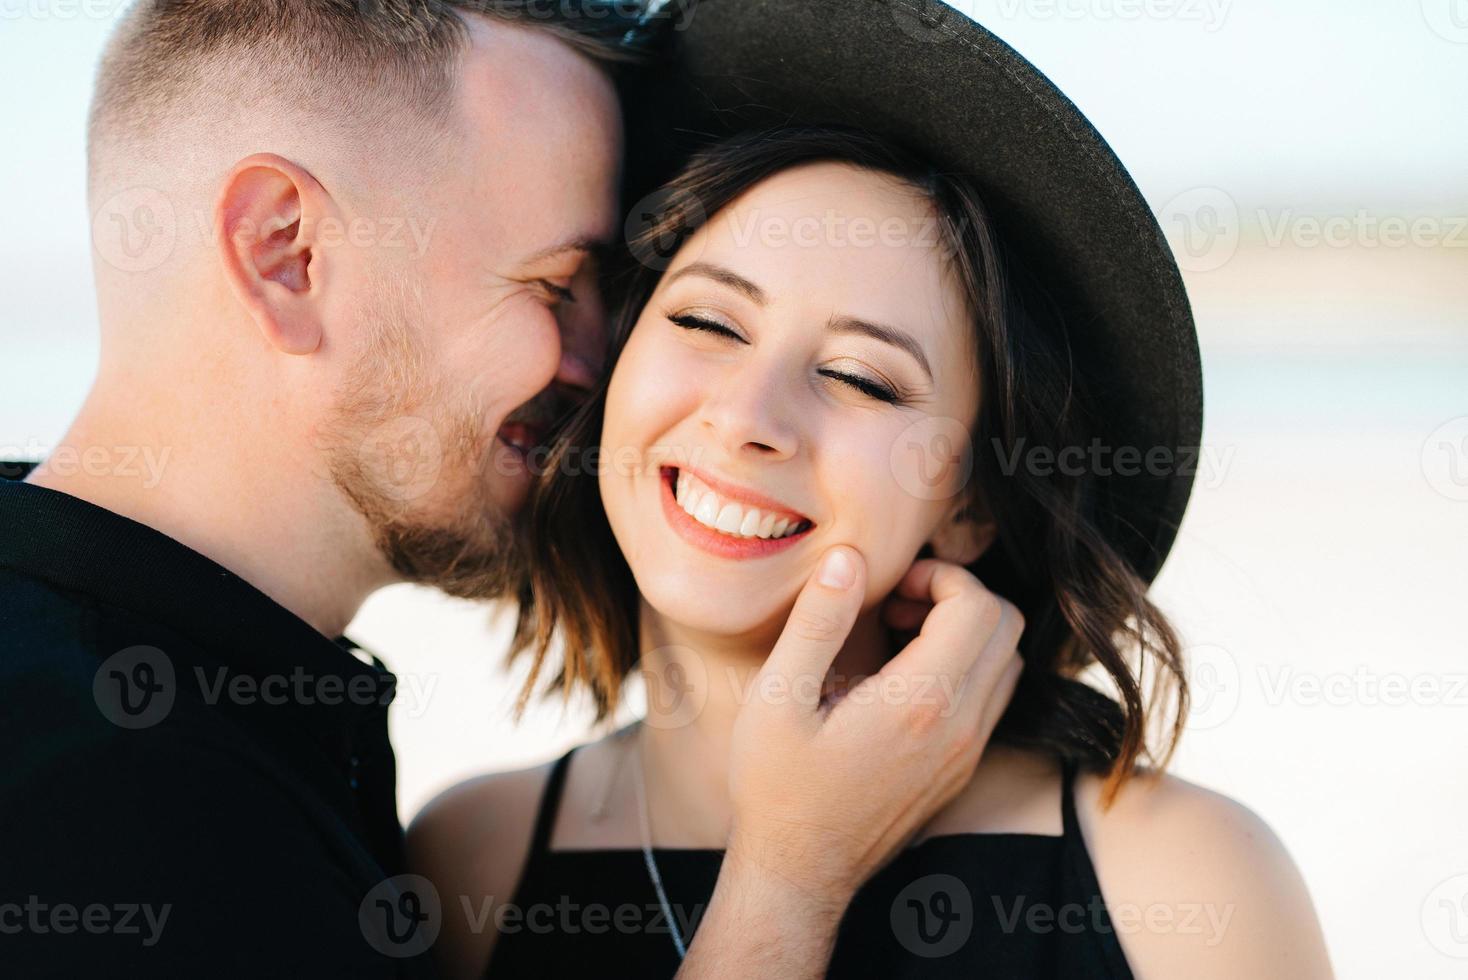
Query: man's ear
[(267, 220), (965, 533)]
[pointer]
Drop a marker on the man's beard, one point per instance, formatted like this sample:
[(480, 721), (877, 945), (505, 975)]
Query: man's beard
[(414, 462)]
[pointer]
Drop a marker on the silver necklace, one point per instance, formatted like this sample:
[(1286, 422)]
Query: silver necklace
[(649, 860)]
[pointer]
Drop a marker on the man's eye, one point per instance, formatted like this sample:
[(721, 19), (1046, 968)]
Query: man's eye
[(690, 322), (556, 292)]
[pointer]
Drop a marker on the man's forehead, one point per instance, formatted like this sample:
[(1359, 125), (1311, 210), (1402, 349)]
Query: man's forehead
[(594, 245)]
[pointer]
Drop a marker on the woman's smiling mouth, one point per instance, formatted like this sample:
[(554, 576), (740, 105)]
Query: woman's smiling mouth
[(727, 521)]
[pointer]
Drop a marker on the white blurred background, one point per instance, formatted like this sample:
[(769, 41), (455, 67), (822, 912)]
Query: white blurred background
[(1310, 161)]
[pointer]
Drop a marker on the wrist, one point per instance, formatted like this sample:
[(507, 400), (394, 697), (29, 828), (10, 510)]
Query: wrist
[(815, 892), (764, 923)]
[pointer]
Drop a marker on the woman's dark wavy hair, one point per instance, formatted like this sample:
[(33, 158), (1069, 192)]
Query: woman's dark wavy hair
[(1083, 602)]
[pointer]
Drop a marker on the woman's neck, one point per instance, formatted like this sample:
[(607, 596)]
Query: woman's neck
[(696, 685)]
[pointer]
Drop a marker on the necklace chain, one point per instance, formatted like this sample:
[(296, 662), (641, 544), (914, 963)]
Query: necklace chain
[(647, 855)]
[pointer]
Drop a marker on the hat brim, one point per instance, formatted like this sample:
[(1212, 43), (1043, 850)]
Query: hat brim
[(926, 76)]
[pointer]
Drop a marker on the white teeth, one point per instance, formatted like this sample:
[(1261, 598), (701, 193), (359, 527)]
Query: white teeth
[(704, 506), (730, 518), (708, 510), (750, 524)]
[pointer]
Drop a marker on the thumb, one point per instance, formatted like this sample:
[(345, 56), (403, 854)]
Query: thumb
[(822, 618)]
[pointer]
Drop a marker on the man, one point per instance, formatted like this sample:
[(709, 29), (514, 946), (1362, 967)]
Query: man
[(346, 276)]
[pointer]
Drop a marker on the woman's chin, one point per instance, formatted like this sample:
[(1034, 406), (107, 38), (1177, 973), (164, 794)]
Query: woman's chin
[(755, 618)]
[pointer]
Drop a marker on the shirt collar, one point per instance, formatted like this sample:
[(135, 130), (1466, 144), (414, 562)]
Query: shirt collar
[(79, 547)]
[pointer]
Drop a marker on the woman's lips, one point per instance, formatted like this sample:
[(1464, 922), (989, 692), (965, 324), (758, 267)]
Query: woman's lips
[(717, 542)]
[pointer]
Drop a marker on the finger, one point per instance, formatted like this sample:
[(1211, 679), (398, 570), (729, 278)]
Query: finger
[(918, 580), (822, 618), (997, 697), (954, 634), (999, 656)]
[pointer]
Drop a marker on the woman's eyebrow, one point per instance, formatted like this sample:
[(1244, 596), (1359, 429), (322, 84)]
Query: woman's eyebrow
[(900, 339), (723, 276)]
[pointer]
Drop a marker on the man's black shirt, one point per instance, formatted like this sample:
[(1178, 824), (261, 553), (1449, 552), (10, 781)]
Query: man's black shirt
[(195, 783)]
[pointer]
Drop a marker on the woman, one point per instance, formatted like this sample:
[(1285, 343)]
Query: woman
[(765, 396)]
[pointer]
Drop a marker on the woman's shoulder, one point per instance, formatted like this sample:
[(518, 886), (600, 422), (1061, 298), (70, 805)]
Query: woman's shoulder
[(1197, 883), (1208, 886), (473, 841), (483, 813)]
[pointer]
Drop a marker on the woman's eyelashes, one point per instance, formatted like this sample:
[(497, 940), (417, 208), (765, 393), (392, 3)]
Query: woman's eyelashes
[(867, 386), (689, 321)]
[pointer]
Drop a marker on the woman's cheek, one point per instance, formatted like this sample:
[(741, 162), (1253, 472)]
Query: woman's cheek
[(654, 392), (890, 525)]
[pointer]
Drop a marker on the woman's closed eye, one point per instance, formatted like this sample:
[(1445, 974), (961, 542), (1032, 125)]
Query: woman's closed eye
[(690, 321), (867, 386), (870, 387)]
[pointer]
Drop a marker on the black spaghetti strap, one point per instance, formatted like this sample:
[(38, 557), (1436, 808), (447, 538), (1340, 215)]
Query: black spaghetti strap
[(1071, 826), (550, 805)]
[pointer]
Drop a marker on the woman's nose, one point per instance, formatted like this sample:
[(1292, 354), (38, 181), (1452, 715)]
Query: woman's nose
[(748, 414)]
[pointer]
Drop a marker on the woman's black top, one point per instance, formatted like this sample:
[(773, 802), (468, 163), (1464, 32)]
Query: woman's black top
[(1023, 906)]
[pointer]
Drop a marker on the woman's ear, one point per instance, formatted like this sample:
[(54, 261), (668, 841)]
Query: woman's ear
[(966, 532)]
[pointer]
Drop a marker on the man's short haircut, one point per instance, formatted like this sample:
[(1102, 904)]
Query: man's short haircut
[(378, 67)]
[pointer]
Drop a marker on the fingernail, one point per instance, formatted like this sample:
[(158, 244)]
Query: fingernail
[(837, 570)]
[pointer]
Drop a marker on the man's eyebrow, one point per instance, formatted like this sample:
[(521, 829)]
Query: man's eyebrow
[(588, 245), (900, 339), (727, 277)]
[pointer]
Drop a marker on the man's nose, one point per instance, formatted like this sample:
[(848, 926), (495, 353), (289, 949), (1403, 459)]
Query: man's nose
[(584, 333)]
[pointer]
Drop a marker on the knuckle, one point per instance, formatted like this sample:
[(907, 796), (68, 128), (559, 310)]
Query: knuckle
[(1014, 614), (923, 718), (989, 610), (814, 627), (962, 750)]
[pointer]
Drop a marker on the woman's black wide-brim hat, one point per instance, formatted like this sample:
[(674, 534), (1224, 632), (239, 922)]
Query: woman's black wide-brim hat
[(922, 74)]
